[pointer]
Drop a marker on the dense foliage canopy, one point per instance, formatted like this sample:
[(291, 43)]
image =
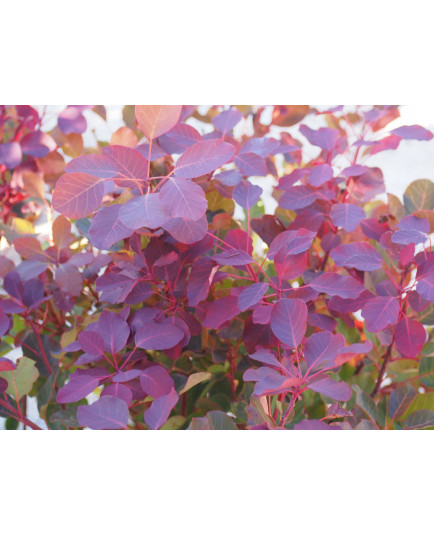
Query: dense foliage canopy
[(148, 288)]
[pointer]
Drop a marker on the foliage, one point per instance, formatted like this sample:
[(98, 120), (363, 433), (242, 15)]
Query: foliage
[(148, 288)]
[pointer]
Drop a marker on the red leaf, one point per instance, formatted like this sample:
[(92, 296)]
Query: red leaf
[(155, 120), (78, 194), (410, 336)]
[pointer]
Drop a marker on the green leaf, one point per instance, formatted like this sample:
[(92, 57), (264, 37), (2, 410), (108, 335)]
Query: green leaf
[(427, 316), (65, 417), (257, 414), (366, 403), (21, 379), (419, 196), (364, 424), (220, 421), (400, 400), (422, 401), (195, 379), (199, 423), (11, 424), (46, 392), (426, 369), (174, 423), (32, 349), (395, 206), (423, 418)]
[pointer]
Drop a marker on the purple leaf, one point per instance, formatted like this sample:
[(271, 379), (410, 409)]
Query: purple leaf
[(10, 154), (287, 181), (153, 336), (380, 312), (425, 286), (187, 232), (229, 178), (389, 143), (4, 323), (289, 321), (256, 375), (156, 381), (349, 305), (261, 146), (265, 356), (319, 175), (107, 413), (412, 230), (359, 255), (107, 228), (179, 138), (143, 211), (298, 197), (118, 390), (126, 376), (247, 194), (354, 171), (155, 120), (85, 359), (13, 285), (322, 347), (410, 336), (91, 342), (160, 410), (313, 424), (69, 279), (347, 215), (274, 384), (252, 295), (331, 388), (251, 164), (202, 158), (183, 199), (350, 351), (318, 320), (156, 151), (201, 276), (262, 314), (141, 291), (220, 311), (326, 138), (76, 389), (337, 285), (38, 144), (225, 121), (77, 194), (72, 120), (372, 228), (413, 132), (232, 257), (292, 242), (131, 166), (290, 266), (113, 329), (98, 165)]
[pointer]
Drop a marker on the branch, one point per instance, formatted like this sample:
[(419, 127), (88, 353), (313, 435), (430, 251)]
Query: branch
[(21, 418), (386, 358)]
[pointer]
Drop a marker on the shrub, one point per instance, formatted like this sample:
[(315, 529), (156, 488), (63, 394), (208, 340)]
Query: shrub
[(158, 292)]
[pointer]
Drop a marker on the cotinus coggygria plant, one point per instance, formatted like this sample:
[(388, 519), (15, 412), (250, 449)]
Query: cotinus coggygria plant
[(214, 267)]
